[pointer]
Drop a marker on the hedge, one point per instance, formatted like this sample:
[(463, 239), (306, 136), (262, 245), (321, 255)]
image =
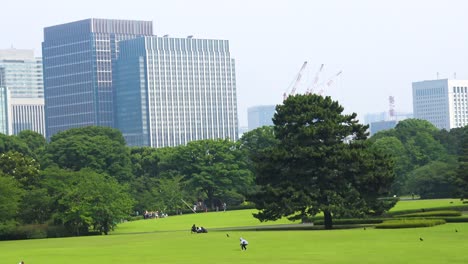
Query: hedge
[(410, 223), (433, 213)]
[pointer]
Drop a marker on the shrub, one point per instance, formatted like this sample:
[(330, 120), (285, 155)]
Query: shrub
[(410, 223), (351, 221), (450, 208), (460, 219), (32, 231), (434, 213)]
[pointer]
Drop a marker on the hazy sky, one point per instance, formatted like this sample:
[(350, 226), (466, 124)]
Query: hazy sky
[(381, 46)]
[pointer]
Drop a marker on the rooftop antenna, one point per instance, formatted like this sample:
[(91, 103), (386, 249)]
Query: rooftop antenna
[(437, 75), (454, 75)]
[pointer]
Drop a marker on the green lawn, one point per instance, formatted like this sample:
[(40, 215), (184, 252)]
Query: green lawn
[(184, 222), (441, 245), (169, 241)]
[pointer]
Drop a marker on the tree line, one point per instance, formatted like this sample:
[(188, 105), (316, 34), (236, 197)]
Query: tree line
[(87, 179), (315, 158), (429, 162)]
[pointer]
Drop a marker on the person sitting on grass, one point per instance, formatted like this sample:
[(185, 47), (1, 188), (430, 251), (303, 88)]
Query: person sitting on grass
[(194, 229)]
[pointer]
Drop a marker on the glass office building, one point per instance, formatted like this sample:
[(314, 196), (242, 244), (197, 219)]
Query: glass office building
[(442, 102), (78, 59), (170, 91), (21, 72)]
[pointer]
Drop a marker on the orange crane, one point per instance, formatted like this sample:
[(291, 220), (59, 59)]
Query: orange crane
[(296, 82)]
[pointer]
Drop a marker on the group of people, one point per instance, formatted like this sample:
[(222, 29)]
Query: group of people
[(157, 214), (199, 229)]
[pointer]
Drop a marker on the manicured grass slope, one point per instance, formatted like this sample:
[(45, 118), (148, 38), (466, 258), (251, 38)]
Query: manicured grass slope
[(158, 241), (207, 220)]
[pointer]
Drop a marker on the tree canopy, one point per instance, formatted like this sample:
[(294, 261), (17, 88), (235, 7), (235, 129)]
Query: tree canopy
[(102, 149), (321, 164)]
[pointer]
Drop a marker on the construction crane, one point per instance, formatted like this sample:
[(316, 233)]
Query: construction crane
[(329, 82), (296, 82), (316, 79)]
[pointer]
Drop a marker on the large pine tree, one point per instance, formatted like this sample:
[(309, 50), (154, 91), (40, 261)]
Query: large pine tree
[(323, 163)]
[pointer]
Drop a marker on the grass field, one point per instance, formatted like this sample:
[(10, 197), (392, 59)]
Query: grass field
[(169, 241)]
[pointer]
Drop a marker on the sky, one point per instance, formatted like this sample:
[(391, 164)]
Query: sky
[(380, 47)]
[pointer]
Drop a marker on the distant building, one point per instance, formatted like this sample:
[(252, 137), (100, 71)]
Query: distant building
[(78, 59), (385, 116), (21, 73), (443, 102), (170, 91), (258, 116), (28, 114), (5, 113), (375, 127)]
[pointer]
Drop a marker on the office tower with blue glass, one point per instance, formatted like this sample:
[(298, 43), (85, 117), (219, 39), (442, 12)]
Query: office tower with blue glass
[(78, 59), (21, 73), (170, 91)]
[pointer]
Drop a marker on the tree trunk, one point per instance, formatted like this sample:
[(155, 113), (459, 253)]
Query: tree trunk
[(327, 217)]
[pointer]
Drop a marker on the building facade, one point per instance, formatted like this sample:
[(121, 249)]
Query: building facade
[(21, 73), (170, 91), (28, 114), (258, 116), (443, 102), (78, 58), (5, 112)]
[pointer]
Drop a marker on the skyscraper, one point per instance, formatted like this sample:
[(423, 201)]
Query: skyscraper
[(21, 73), (170, 91), (262, 115), (443, 102), (78, 59)]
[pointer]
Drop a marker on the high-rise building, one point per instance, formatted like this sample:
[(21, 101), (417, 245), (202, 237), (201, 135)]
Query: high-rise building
[(21, 73), (258, 116), (443, 102), (5, 112), (170, 91), (78, 59)]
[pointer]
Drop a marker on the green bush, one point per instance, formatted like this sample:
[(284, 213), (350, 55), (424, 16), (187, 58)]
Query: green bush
[(351, 221), (410, 223), (433, 213), (58, 231), (449, 208), (460, 219)]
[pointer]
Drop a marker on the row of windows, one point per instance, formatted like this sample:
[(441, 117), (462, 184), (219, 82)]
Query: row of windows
[(459, 89), (430, 92)]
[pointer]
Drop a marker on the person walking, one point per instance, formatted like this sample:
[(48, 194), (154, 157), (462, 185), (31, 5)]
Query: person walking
[(243, 244)]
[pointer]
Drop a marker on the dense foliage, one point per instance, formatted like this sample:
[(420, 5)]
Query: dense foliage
[(314, 159), (87, 179), (321, 163), (429, 162)]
